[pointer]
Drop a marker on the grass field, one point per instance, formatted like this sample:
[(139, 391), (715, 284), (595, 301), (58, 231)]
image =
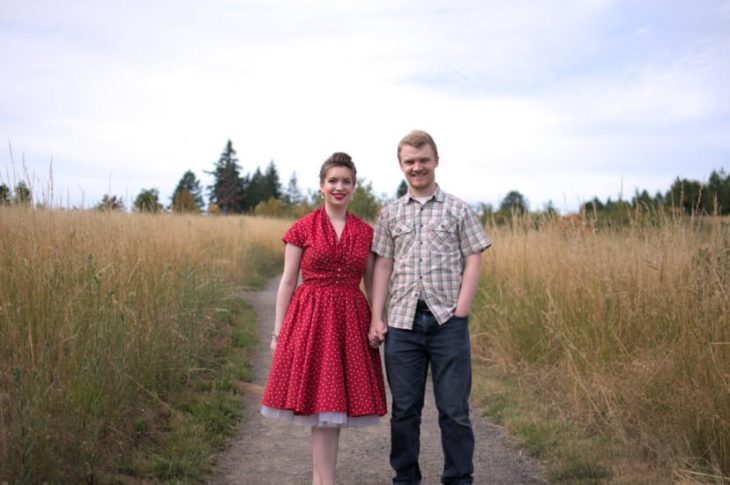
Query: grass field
[(107, 321), (624, 331), (606, 351)]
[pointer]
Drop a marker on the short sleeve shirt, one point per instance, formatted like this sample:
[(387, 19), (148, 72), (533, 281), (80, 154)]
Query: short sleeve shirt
[(428, 244)]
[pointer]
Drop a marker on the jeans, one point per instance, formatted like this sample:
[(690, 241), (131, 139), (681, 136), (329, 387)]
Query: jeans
[(408, 354)]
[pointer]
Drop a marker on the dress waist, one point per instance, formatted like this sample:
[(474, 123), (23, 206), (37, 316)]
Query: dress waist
[(333, 281)]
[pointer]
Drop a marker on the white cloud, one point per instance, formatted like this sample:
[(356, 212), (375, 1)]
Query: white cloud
[(546, 98)]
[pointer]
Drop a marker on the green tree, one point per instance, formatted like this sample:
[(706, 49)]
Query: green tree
[(271, 184), (686, 194), (594, 205), (5, 194), (148, 200), (718, 193), (110, 203), (190, 184), (23, 195), (402, 189), (513, 203), (292, 194), (227, 190), (364, 203), (643, 199), (255, 190)]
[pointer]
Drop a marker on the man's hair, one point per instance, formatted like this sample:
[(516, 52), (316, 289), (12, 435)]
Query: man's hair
[(418, 138), (338, 159)]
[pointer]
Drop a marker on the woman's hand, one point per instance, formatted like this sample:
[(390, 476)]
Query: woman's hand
[(376, 334), (274, 340)]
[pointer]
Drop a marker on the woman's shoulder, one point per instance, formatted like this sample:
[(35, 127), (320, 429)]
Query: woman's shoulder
[(358, 223), (309, 218)]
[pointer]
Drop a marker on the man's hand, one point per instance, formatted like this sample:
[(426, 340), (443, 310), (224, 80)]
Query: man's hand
[(376, 334)]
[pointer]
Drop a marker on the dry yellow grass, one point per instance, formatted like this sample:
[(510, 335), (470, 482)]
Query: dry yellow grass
[(97, 309), (625, 330)]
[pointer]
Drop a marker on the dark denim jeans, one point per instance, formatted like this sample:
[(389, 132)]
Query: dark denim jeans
[(408, 354)]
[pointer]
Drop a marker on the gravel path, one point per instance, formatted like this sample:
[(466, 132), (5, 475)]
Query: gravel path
[(269, 452)]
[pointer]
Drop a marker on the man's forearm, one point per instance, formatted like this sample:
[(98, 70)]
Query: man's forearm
[(382, 271), (469, 283)]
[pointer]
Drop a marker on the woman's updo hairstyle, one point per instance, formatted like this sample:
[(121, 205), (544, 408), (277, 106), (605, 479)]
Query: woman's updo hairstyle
[(338, 159)]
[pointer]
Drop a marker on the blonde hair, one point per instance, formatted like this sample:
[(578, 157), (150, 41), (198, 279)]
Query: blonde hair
[(418, 138)]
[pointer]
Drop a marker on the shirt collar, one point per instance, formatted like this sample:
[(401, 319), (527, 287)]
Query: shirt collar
[(437, 196)]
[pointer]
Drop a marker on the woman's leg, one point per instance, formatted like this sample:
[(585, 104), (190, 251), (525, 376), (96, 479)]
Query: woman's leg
[(325, 442)]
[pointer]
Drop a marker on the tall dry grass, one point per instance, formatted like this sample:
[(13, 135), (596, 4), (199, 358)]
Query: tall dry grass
[(625, 329), (102, 314)]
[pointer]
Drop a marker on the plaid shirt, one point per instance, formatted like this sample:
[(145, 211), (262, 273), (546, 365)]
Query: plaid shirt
[(428, 244)]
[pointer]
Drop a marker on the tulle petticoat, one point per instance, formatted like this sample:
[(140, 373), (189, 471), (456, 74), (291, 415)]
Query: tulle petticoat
[(323, 420)]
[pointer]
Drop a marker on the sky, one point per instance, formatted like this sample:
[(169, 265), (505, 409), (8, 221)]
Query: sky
[(561, 100)]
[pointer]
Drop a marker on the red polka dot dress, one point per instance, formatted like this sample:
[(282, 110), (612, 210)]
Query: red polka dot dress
[(324, 373)]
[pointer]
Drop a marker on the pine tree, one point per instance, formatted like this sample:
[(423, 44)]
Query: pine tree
[(189, 183), (271, 184), (402, 189), (227, 191), (255, 190)]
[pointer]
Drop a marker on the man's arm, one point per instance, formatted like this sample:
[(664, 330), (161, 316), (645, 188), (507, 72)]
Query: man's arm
[(382, 271), (469, 283)]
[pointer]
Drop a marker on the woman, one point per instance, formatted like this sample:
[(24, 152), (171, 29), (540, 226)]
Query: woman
[(324, 373)]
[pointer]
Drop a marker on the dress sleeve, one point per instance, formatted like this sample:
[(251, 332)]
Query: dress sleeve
[(295, 235)]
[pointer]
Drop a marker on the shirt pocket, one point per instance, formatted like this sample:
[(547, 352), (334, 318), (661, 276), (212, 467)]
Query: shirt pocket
[(403, 236), (444, 237)]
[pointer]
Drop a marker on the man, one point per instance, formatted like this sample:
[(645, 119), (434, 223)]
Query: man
[(428, 247)]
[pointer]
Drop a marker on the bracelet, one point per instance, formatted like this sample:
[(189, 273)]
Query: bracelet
[(275, 337)]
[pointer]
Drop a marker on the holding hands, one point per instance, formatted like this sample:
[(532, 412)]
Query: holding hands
[(376, 334)]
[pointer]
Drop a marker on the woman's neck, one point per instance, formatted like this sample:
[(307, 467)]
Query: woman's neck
[(335, 213)]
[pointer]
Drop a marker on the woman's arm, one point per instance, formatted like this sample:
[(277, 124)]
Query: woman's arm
[(368, 277), (287, 285), (382, 269)]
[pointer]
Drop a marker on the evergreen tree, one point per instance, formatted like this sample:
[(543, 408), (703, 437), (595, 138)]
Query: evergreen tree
[(271, 184), (402, 189), (189, 183), (292, 194), (513, 202), (148, 200), (255, 191), (4, 194), (686, 194), (643, 200), (718, 193), (227, 191), (23, 195)]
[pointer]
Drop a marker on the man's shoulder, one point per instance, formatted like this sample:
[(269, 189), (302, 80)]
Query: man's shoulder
[(455, 203), (393, 206)]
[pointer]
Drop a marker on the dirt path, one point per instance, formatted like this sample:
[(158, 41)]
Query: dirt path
[(269, 452)]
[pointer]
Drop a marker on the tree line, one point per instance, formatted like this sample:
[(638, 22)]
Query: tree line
[(261, 193)]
